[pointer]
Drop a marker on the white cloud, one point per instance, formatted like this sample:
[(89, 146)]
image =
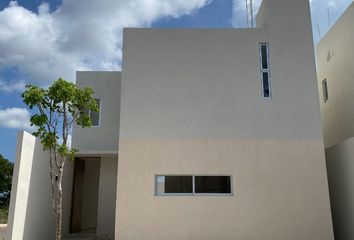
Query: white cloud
[(12, 86), (15, 118), (79, 35)]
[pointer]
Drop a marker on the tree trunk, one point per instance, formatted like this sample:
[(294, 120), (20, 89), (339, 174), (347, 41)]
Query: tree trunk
[(59, 201)]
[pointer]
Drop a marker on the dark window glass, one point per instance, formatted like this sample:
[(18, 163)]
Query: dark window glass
[(212, 184), (95, 116), (178, 184), (266, 88), (325, 90), (264, 56)]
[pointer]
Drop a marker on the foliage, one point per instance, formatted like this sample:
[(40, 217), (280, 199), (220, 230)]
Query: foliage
[(4, 211), (6, 170), (58, 108)]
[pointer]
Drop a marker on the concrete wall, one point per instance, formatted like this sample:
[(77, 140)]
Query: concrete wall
[(107, 197), (206, 83), (30, 214), (192, 104), (335, 63), (280, 190), (67, 195), (340, 167), (106, 86)]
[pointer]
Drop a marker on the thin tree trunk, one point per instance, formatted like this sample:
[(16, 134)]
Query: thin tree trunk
[(59, 206)]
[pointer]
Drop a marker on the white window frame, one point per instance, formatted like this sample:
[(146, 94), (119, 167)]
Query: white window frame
[(99, 113), (193, 185), (265, 70)]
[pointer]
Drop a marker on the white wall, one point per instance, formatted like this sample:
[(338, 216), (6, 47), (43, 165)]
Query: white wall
[(30, 214), (192, 104), (107, 197), (335, 58), (106, 86), (203, 83), (340, 167)]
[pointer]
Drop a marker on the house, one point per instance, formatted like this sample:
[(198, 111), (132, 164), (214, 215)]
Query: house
[(205, 134), (335, 60)]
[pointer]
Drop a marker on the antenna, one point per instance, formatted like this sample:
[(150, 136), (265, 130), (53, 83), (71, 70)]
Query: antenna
[(251, 6), (329, 19), (319, 31), (248, 23)]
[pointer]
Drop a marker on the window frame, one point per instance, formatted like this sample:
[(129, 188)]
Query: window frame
[(265, 70), (99, 113), (156, 193)]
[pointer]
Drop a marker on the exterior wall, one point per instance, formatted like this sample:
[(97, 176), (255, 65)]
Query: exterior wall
[(30, 214), (335, 63), (340, 167), (106, 86), (192, 104), (279, 190), (67, 195), (216, 73), (107, 197)]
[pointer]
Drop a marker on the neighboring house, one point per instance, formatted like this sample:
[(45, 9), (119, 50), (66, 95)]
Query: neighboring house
[(335, 64), (218, 133)]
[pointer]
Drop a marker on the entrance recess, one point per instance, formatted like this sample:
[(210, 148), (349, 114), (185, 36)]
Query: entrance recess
[(84, 201)]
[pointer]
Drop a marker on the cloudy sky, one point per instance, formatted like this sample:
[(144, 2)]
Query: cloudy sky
[(41, 40)]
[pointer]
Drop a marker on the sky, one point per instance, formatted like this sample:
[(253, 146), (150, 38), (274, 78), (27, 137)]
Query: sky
[(41, 41)]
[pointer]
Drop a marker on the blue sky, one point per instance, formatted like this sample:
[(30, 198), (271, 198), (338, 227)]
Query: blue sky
[(41, 41)]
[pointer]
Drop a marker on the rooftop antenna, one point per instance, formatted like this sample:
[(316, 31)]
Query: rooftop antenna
[(251, 6), (329, 19), (319, 31), (248, 23)]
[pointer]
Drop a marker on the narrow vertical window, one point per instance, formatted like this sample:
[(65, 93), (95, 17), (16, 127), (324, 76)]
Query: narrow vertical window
[(265, 70), (325, 90), (94, 116)]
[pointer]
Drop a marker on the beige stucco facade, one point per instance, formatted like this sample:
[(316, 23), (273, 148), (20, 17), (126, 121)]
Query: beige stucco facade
[(189, 102), (279, 187), (192, 105), (335, 64), (335, 58), (340, 165)]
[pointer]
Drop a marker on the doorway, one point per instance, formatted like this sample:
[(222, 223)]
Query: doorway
[(84, 203)]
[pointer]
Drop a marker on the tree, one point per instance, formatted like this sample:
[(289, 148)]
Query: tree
[(58, 108), (6, 170)]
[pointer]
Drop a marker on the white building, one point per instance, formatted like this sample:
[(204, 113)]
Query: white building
[(335, 58), (218, 134)]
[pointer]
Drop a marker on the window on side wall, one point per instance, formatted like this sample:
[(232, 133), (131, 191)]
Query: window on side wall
[(325, 90), (192, 185), (95, 116), (265, 70)]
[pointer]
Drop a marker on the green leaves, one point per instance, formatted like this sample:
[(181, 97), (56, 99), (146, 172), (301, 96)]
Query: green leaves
[(58, 107), (33, 96)]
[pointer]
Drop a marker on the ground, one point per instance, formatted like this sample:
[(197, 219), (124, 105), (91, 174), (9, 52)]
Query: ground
[(3, 215)]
